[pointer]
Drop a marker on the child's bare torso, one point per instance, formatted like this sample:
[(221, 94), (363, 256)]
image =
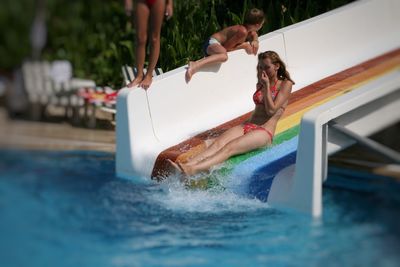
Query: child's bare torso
[(231, 32)]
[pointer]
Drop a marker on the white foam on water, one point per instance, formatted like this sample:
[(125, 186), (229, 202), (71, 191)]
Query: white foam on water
[(177, 197)]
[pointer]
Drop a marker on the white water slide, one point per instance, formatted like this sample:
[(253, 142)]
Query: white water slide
[(172, 111)]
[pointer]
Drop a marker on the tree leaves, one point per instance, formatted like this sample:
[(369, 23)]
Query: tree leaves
[(98, 38)]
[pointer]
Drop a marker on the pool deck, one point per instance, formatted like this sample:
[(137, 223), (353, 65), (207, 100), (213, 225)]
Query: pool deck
[(31, 135)]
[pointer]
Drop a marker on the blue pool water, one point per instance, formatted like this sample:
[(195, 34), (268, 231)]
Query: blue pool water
[(69, 209)]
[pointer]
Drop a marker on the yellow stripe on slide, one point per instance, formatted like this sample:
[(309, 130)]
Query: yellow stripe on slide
[(294, 119)]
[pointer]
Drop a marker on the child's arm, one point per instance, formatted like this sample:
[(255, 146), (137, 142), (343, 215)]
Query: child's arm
[(253, 39), (246, 46), (237, 35)]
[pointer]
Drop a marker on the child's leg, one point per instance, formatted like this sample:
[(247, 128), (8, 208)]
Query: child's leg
[(142, 13), (156, 19), (217, 54), (218, 143)]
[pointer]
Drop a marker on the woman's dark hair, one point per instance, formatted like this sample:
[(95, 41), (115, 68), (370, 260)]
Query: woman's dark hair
[(283, 74)]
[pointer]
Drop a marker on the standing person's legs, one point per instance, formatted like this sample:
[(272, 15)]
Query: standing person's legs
[(216, 52), (142, 13), (248, 142), (156, 19)]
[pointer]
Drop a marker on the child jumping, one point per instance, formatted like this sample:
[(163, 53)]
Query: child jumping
[(228, 39)]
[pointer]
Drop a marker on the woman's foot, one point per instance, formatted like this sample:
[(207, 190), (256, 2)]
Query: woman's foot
[(181, 168), (188, 170), (209, 142), (190, 71), (135, 82), (181, 176), (175, 166), (146, 82)]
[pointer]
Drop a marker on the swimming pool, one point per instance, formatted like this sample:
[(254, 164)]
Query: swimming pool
[(69, 209)]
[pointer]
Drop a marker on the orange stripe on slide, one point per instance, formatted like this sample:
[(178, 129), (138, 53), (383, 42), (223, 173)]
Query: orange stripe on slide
[(295, 118)]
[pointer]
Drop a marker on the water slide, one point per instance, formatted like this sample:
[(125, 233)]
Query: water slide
[(341, 61)]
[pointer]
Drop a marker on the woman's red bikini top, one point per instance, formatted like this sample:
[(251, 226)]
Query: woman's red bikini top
[(258, 96)]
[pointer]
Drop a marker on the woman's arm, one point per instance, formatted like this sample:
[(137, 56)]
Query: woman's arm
[(271, 106), (128, 7), (169, 9)]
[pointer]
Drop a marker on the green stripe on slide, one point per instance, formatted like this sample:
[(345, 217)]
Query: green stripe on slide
[(214, 179)]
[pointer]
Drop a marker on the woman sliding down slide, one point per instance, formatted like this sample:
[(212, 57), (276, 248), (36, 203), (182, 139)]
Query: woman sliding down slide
[(271, 98)]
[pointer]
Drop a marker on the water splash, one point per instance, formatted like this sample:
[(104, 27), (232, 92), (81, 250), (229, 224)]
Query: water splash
[(177, 197)]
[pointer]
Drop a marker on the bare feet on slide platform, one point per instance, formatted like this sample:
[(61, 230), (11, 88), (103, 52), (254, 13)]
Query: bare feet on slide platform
[(146, 82), (135, 82), (190, 71)]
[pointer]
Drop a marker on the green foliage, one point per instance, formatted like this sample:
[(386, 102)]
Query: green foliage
[(98, 38), (182, 36), (194, 21), (15, 20)]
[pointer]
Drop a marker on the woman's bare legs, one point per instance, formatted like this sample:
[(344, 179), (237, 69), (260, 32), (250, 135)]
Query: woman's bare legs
[(217, 53), (209, 142), (142, 13), (156, 19), (217, 144), (242, 144)]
